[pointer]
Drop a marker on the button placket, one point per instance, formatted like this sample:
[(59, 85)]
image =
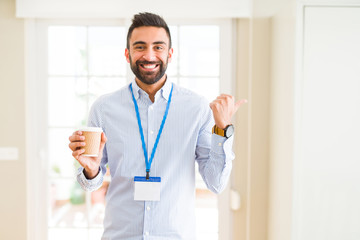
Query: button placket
[(147, 219)]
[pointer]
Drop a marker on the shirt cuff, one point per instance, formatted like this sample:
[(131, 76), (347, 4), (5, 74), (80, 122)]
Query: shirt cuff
[(222, 145), (89, 184)]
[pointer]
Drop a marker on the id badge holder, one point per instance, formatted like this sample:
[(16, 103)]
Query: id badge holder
[(147, 189)]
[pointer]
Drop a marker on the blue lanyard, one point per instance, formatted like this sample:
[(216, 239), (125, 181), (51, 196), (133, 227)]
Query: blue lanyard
[(148, 162)]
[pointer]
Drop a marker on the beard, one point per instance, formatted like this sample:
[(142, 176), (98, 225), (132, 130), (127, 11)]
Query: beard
[(148, 78)]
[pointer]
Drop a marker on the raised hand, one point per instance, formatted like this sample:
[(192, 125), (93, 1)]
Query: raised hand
[(224, 107)]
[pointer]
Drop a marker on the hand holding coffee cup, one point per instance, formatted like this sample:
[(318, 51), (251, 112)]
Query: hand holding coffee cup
[(87, 145), (92, 141)]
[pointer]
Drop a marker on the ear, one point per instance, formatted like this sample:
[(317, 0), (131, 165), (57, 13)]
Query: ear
[(127, 55), (171, 51)]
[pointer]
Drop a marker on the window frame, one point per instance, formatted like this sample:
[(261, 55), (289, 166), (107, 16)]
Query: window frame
[(36, 52)]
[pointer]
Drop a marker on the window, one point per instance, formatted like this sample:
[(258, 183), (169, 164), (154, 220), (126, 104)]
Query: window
[(83, 62)]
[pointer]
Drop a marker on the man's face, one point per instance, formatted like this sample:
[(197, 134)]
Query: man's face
[(149, 54)]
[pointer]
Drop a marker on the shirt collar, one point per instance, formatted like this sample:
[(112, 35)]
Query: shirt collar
[(136, 89), (164, 91)]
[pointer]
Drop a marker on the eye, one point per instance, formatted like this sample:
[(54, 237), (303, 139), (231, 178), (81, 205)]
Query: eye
[(159, 48), (139, 47)]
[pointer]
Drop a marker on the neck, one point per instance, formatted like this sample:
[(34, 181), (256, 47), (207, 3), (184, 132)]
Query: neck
[(152, 89)]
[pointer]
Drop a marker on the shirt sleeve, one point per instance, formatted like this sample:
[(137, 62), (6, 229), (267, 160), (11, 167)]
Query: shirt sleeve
[(214, 155), (89, 184), (95, 120)]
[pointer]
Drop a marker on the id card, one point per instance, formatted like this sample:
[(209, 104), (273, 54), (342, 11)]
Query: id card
[(147, 189)]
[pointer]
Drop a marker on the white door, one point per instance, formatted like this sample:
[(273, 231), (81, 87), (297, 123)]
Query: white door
[(327, 163)]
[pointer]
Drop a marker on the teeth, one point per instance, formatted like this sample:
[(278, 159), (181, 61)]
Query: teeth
[(149, 66)]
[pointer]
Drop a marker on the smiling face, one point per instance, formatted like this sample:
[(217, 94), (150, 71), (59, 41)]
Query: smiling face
[(149, 54)]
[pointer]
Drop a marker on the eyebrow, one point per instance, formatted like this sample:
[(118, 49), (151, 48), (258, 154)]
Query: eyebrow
[(154, 43), (138, 42), (160, 42)]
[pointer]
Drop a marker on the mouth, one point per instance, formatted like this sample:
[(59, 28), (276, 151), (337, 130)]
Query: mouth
[(149, 67)]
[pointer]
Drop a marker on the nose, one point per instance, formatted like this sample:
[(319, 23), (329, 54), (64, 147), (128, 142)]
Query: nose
[(149, 55)]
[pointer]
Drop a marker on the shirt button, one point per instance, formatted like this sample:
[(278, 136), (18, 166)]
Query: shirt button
[(152, 132), (220, 144), (151, 108), (147, 233), (148, 208)]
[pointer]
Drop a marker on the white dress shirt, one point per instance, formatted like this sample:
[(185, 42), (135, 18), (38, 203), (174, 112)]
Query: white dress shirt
[(186, 139)]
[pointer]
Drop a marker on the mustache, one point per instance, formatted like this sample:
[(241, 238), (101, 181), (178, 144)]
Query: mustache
[(148, 62)]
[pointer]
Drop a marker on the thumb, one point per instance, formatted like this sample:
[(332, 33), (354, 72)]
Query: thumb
[(103, 141), (239, 103)]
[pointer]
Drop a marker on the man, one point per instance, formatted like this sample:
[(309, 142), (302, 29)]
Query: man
[(154, 132)]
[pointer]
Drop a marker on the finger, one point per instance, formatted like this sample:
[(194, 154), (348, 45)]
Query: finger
[(225, 95), (239, 103), (103, 141), (221, 96), (226, 98), (103, 137), (77, 133), (216, 104), (76, 138), (75, 145), (76, 154)]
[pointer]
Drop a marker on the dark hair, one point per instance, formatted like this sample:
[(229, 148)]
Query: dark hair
[(150, 20)]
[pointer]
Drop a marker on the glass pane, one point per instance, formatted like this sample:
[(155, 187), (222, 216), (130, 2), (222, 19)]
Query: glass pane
[(67, 50), (95, 234), (67, 104), (206, 215), (207, 87), (67, 233), (172, 69), (106, 51), (67, 204), (207, 236), (101, 86), (199, 51), (61, 162)]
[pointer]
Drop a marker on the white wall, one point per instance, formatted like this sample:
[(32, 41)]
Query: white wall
[(327, 138), (126, 9), (12, 123)]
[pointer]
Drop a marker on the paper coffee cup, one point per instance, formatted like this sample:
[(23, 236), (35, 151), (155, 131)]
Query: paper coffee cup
[(92, 139)]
